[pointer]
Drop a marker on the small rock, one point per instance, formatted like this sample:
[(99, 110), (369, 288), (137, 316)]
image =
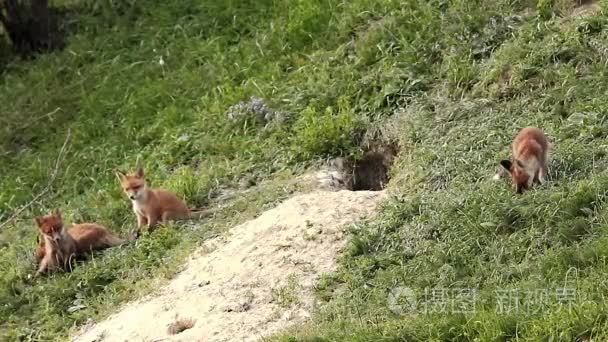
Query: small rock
[(244, 307), (256, 109), (313, 231), (180, 325), (240, 307)]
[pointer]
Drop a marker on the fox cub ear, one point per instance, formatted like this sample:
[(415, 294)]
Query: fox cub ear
[(506, 164), (140, 172), (120, 175), (38, 221), (57, 213)]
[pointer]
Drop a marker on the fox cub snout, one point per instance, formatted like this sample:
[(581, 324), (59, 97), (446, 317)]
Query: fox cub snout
[(528, 163)]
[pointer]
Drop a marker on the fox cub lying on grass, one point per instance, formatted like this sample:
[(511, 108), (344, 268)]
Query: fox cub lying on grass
[(152, 206), (528, 163), (59, 247)]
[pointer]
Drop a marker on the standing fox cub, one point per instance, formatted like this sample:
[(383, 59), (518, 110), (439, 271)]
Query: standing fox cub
[(528, 163), (59, 247), (152, 206)]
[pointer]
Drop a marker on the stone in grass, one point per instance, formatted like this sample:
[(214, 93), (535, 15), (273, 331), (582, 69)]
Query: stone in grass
[(254, 108)]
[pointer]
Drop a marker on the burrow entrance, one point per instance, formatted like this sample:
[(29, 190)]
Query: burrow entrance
[(371, 172)]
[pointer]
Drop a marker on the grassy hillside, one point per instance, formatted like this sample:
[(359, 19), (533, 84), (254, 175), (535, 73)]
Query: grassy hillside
[(480, 262), (451, 81)]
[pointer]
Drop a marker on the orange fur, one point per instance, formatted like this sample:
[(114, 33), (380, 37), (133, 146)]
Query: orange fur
[(59, 247), (151, 206), (39, 254), (528, 163)]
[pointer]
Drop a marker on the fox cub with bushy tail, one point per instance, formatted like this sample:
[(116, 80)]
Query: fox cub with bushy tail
[(58, 246), (528, 163), (152, 206)]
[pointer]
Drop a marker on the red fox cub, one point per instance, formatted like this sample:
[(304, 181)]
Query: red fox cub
[(40, 249), (528, 163), (59, 247), (152, 206)]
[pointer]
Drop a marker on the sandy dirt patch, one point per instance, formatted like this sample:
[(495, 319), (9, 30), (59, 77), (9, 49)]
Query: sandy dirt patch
[(250, 284)]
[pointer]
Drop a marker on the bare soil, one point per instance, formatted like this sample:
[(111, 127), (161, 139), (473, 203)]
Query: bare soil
[(252, 283)]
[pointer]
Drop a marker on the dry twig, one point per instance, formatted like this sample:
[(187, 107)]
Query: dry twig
[(44, 191)]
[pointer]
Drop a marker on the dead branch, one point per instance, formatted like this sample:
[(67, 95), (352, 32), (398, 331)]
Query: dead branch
[(49, 184)]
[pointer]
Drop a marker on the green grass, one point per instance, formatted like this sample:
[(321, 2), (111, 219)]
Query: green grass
[(451, 81), (287, 295), (451, 227)]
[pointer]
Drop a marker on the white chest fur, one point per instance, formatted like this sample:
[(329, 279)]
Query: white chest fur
[(531, 167), (138, 208)]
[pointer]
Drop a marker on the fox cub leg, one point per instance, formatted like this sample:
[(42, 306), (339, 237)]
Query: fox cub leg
[(44, 264), (151, 222), (142, 221), (541, 175)]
